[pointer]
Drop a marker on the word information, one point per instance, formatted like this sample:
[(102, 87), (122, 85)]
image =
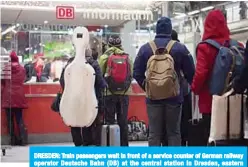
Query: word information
[(138, 156)]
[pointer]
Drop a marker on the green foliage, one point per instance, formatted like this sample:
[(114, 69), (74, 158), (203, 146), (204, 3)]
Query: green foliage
[(57, 49)]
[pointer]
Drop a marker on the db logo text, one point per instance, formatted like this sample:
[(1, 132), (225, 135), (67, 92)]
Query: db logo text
[(64, 12)]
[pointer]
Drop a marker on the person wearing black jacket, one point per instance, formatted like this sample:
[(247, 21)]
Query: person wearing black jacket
[(241, 83), (90, 135)]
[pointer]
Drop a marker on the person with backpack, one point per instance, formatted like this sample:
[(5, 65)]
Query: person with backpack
[(116, 67), (157, 70), (90, 135), (241, 84), (186, 106), (216, 36)]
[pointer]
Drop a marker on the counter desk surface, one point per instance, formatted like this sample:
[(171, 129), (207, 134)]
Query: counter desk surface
[(43, 123)]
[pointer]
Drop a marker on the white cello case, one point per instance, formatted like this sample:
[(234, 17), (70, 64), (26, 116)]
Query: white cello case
[(78, 106)]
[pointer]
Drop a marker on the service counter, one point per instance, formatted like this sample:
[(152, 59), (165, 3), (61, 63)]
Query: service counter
[(46, 126)]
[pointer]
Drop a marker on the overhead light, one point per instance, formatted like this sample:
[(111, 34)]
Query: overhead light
[(35, 29), (45, 22), (106, 26), (70, 31), (178, 13), (194, 12), (207, 8), (180, 16), (10, 29), (148, 25)]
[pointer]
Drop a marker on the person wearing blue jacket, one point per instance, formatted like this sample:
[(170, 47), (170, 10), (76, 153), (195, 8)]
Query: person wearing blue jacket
[(166, 110)]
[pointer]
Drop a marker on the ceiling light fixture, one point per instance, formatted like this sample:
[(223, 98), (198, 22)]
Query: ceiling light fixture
[(45, 22), (207, 8), (180, 16), (10, 29), (194, 12)]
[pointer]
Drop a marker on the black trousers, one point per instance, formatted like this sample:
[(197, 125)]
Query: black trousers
[(186, 115), (207, 123), (88, 136), (16, 138), (118, 105)]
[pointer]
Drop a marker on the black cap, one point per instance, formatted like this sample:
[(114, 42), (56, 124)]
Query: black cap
[(114, 40), (174, 36)]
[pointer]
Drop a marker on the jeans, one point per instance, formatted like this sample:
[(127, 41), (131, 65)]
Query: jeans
[(11, 114), (164, 116), (87, 136), (117, 105), (186, 116)]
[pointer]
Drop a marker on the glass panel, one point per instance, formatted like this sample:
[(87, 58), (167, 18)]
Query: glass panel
[(236, 14)]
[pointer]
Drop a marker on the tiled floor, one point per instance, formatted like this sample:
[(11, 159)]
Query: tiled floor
[(21, 154)]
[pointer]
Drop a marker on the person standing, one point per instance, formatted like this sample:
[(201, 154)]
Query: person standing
[(116, 97), (186, 106), (166, 110), (91, 135), (215, 28), (14, 101)]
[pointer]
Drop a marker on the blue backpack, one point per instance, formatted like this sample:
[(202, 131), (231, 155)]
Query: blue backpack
[(228, 65)]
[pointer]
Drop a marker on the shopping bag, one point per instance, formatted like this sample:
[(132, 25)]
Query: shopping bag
[(137, 129), (227, 120)]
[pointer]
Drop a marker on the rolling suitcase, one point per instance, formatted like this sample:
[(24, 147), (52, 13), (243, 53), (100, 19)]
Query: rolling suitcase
[(110, 134)]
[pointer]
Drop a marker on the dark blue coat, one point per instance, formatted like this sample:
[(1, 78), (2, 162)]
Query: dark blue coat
[(241, 83), (179, 52)]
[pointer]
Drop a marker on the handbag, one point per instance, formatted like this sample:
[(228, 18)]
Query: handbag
[(56, 102), (196, 135), (227, 120), (137, 130)]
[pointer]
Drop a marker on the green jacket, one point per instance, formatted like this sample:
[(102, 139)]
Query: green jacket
[(103, 65)]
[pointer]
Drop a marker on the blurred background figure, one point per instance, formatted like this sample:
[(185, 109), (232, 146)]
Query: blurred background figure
[(38, 68), (14, 101), (243, 10), (57, 66)]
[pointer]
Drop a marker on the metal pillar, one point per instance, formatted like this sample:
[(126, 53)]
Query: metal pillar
[(165, 9)]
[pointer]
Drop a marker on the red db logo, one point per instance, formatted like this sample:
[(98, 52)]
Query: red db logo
[(64, 12)]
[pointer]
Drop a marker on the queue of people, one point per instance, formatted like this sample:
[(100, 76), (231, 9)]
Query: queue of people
[(163, 68)]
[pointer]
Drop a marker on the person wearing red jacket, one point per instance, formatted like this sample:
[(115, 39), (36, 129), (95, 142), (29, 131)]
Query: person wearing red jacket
[(215, 28), (14, 101)]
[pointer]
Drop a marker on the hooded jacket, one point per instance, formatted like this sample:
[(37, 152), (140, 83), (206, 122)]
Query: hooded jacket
[(215, 28), (182, 58), (13, 94), (103, 65)]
